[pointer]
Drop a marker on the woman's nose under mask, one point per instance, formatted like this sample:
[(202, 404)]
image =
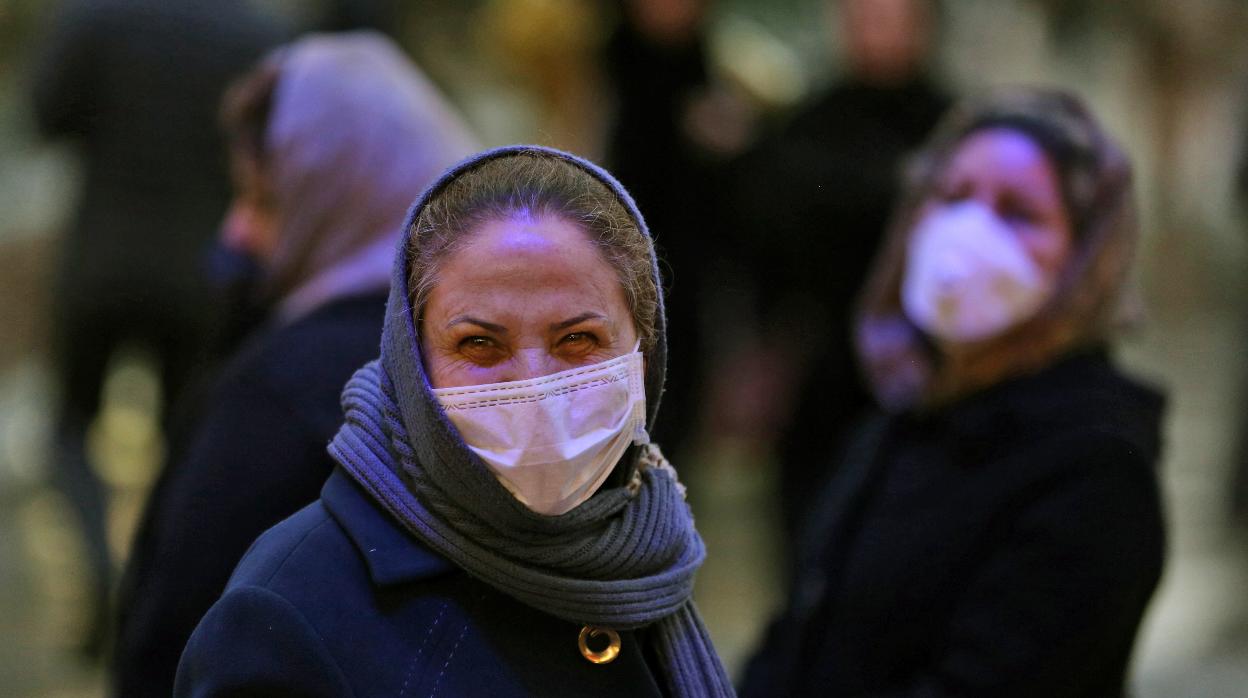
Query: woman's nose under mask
[(552, 441)]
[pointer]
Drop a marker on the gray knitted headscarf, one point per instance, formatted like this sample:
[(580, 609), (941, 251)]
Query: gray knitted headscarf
[(624, 559)]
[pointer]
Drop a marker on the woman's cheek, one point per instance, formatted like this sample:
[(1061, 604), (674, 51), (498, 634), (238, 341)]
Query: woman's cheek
[(1049, 251)]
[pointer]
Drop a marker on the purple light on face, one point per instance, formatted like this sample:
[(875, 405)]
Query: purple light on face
[(523, 214)]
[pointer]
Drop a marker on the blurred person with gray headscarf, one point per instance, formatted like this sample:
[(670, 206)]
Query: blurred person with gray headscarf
[(331, 138)]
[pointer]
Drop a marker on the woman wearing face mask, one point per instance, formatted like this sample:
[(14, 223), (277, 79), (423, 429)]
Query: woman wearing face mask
[(996, 530), (499, 523)]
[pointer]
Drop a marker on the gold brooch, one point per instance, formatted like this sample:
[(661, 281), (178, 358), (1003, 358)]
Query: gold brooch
[(604, 656)]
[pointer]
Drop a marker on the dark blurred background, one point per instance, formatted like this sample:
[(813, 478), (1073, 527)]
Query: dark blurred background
[(684, 125)]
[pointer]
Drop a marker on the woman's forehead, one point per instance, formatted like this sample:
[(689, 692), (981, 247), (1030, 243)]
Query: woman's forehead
[(999, 147), (1006, 157), (519, 261)]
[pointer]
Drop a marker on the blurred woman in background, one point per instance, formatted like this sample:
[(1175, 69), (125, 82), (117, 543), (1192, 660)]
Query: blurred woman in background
[(996, 530), (499, 523), (330, 138)]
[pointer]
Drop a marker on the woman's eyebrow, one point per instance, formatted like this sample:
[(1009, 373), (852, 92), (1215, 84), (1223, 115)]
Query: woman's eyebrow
[(555, 327), (468, 319)]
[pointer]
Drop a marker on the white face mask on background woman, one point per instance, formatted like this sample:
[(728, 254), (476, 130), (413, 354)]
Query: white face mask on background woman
[(968, 278), (552, 441)]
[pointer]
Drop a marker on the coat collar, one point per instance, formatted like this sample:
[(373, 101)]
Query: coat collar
[(392, 554)]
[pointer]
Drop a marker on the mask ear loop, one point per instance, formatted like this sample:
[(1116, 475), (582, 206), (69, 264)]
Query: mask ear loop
[(639, 453), (637, 397)]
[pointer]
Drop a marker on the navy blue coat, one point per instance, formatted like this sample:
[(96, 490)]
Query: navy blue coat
[(339, 600)]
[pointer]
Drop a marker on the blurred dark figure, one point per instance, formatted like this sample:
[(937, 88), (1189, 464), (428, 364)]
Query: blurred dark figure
[(331, 139), (814, 202), (135, 84), (350, 15), (668, 147), (1239, 476), (995, 529)]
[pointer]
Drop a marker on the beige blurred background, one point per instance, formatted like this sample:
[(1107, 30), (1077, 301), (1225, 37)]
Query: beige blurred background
[(1170, 79)]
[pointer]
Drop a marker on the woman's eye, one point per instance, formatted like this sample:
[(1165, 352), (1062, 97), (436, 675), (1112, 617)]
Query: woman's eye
[(478, 349), (1018, 214), (579, 340)]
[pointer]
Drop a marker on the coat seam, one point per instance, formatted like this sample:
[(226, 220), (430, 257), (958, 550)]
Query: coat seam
[(293, 549), (407, 677), (316, 633), (463, 631)]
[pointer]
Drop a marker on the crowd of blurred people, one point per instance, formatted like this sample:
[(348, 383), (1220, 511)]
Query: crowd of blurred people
[(927, 314)]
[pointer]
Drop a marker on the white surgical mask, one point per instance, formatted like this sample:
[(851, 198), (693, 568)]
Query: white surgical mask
[(552, 441), (967, 276)]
